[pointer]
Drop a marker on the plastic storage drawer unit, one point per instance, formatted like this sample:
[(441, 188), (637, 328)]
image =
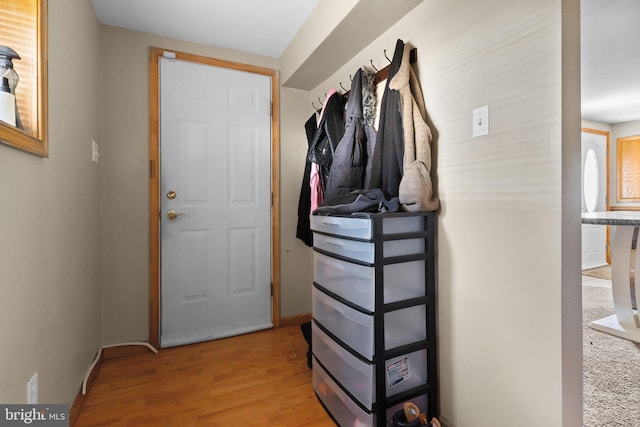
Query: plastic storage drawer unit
[(355, 329), (356, 283)]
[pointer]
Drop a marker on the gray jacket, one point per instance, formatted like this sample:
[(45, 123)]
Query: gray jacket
[(349, 169)]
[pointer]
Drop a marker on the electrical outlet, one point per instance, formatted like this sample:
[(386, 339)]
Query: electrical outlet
[(481, 121), (32, 390), (95, 155)]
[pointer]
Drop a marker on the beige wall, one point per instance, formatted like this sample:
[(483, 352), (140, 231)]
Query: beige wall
[(124, 135), (49, 223), (509, 234), (296, 258)]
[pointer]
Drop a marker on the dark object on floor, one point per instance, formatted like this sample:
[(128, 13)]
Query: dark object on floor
[(306, 333)]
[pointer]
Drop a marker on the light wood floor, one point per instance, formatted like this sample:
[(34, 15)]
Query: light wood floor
[(254, 380)]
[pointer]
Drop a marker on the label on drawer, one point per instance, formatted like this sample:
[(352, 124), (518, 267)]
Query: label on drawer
[(398, 372)]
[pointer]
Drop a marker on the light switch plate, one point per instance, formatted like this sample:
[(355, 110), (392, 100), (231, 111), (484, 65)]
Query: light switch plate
[(95, 155), (32, 390), (481, 121)]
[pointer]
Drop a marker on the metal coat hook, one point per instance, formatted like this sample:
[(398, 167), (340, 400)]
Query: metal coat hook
[(314, 106), (319, 100), (343, 88), (385, 55), (374, 67), (350, 78)]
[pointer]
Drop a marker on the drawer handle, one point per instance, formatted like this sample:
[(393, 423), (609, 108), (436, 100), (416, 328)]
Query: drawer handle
[(335, 264), (348, 246), (335, 243), (345, 311), (340, 224)]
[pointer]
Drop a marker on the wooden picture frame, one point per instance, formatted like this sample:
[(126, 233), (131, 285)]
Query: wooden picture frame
[(31, 18)]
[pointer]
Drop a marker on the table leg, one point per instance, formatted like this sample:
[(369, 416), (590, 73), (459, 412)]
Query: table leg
[(625, 323)]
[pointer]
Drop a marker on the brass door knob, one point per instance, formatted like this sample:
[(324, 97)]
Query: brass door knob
[(173, 214), (171, 195)]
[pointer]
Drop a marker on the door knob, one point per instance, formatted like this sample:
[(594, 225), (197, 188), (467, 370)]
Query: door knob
[(171, 195), (173, 214)]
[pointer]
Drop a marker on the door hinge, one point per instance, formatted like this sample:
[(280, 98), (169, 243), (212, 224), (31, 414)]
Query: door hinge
[(271, 288), (271, 110), (272, 198)]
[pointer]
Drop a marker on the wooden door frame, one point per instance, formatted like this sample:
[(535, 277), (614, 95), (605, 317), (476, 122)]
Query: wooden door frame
[(154, 181)]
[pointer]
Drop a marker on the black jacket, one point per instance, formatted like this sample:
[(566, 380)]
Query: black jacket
[(329, 133), (303, 230), (386, 167), (350, 158)]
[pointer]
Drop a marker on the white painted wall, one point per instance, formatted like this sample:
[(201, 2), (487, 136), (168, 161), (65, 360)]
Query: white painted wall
[(49, 223), (590, 124)]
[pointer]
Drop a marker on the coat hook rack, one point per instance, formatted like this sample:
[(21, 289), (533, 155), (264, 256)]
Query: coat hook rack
[(381, 74)]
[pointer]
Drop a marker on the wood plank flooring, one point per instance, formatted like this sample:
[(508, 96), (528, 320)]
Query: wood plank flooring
[(254, 380)]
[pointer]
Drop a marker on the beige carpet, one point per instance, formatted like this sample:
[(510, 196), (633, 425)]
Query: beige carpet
[(611, 368)]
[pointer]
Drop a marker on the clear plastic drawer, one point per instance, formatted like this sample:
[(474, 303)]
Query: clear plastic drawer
[(365, 251), (358, 377), (362, 228), (355, 329), (344, 410), (356, 283)]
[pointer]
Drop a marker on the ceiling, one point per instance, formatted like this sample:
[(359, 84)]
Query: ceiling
[(254, 26), (610, 39)]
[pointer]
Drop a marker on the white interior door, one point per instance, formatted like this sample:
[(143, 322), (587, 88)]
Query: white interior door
[(594, 198), (215, 157)]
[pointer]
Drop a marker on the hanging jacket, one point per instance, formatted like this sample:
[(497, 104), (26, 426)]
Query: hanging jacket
[(348, 169), (303, 229), (416, 191), (386, 165), (329, 133)]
